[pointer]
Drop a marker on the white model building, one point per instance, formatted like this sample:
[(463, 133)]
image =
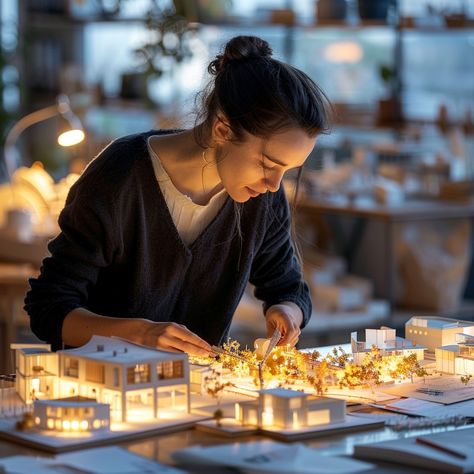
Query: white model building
[(457, 358), (387, 341), (287, 409), (36, 369), (433, 331), (138, 382), (71, 414)]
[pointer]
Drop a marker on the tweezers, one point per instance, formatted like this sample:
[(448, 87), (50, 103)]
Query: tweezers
[(276, 336)]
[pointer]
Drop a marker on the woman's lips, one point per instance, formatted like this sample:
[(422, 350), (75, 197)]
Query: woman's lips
[(252, 192)]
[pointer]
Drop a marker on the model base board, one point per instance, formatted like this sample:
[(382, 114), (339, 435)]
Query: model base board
[(230, 428)]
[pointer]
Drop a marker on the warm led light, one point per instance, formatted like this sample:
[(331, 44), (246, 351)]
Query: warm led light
[(50, 423), (66, 425), (75, 425), (58, 425), (267, 418), (295, 420), (71, 137), (343, 52), (37, 420), (35, 385), (237, 411), (84, 425), (96, 424)]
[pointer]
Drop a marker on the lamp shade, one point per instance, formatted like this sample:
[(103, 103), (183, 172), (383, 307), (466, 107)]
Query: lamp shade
[(71, 132)]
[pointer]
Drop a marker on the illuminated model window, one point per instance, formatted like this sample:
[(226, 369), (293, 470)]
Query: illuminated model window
[(94, 372), (138, 374), (172, 369), (71, 367)]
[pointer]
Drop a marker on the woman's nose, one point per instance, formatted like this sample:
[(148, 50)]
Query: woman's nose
[(273, 181)]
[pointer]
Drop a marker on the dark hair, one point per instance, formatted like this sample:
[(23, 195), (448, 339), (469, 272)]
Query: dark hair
[(260, 95)]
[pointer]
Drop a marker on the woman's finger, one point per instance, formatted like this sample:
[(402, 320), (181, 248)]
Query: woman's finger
[(183, 333), (177, 344)]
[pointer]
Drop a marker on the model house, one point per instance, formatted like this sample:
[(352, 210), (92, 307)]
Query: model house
[(289, 409), (457, 358), (36, 369), (433, 332), (386, 340), (137, 382), (71, 414)]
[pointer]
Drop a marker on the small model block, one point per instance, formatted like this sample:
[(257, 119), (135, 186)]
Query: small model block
[(433, 331), (76, 414), (287, 409)]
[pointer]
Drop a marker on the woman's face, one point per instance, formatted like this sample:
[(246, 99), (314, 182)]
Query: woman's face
[(257, 165)]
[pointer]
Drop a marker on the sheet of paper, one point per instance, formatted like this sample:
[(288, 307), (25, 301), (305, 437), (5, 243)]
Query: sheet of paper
[(270, 457), (413, 406), (110, 460), (446, 389)]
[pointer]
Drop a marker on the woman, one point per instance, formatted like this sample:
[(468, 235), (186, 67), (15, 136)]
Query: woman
[(164, 229)]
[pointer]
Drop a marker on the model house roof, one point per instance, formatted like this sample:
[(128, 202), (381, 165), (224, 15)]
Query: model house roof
[(283, 392), (451, 348), (120, 351), (437, 322), (34, 350)]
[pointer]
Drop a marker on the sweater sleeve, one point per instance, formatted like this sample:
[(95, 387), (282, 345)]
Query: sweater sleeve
[(276, 272), (84, 246)]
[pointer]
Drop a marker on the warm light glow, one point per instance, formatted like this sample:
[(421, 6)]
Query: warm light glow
[(237, 411), (96, 424), (267, 418), (75, 425), (66, 425), (295, 420), (319, 417), (84, 425), (58, 425), (71, 137), (343, 52), (50, 423), (35, 385)]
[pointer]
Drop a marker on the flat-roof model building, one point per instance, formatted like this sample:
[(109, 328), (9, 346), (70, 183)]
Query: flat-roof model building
[(433, 331), (457, 358), (386, 340), (137, 382), (287, 409), (36, 369), (74, 414)]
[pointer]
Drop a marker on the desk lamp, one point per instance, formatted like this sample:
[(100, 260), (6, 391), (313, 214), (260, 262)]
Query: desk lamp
[(71, 132)]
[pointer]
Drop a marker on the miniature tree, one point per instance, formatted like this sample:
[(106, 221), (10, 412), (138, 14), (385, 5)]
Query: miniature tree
[(338, 357), (318, 380), (408, 366), (465, 379), (351, 376), (215, 388)]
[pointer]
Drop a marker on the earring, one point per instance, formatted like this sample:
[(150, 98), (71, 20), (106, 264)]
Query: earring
[(204, 157), (203, 167)]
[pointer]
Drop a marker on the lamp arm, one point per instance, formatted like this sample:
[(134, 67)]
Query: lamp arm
[(18, 129)]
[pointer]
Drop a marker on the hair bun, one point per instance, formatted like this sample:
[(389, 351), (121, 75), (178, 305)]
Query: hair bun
[(240, 48)]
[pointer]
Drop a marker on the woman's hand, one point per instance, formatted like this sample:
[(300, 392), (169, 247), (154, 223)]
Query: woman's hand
[(287, 317), (174, 337)]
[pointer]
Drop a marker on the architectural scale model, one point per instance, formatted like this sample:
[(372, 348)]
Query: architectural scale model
[(111, 387), (385, 340), (456, 358), (137, 382), (433, 331), (284, 408)]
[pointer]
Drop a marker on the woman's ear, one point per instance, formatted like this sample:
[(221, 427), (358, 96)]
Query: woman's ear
[(221, 132)]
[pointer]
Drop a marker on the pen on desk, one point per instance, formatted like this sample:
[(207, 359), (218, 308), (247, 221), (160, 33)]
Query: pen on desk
[(440, 447)]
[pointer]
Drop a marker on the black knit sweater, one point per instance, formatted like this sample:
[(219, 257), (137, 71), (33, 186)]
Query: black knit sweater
[(119, 254)]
